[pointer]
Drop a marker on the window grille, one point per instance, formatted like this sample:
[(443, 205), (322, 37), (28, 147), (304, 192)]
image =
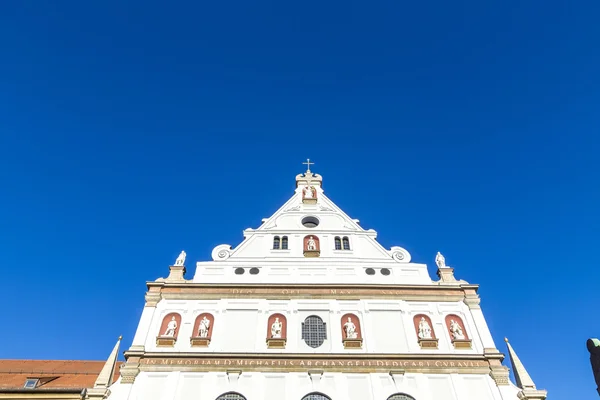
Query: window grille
[(276, 242), (284, 243), (338, 243), (400, 396), (314, 331), (315, 396), (346, 243), (231, 396)]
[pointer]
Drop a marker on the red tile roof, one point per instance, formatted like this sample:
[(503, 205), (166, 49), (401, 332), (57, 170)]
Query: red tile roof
[(69, 374)]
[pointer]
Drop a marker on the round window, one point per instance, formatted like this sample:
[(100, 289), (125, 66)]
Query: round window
[(254, 271), (239, 271), (310, 222), (370, 271), (385, 271)]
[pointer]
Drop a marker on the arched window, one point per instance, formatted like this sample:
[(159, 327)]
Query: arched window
[(338, 243), (276, 243), (284, 243), (400, 396), (346, 243), (314, 331), (316, 396), (231, 396)]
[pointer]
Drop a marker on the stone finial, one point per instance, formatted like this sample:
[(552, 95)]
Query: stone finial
[(522, 378), (176, 274), (105, 378)]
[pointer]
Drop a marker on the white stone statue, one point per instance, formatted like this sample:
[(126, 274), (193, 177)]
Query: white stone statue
[(276, 328), (171, 328), (424, 329), (440, 260), (311, 244), (308, 192), (180, 260), (457, 332), (204, 325), (350, 329)]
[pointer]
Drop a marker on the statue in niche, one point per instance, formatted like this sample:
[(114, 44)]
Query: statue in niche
[(424, 329), (276, 328), (309, 192), (457, 332), (350, 329), (440, 260), (311, 244), (180, 260), (171, 328), (204, 326)]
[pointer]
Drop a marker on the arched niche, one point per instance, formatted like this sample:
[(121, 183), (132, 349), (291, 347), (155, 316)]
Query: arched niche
[(276, 331), (169, 329), (351, 331), (424, 331), (457, 331), (312, 246), (203, 329), (309, 194)]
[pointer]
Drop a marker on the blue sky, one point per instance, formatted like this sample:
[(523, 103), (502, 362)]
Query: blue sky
[(131, 131)]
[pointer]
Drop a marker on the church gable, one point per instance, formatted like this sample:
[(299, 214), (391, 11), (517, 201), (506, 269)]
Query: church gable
[(310, 235)]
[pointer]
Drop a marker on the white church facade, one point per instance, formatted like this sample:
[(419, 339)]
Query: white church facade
[(309, 306)]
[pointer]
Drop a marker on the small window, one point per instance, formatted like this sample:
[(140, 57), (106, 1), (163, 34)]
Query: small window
[(314, 331), (310, 222), (284, 243), (239, 271), (231, 396), (385, 271), (370, 271), (254, 271), (31, 383), (346, 243), (338, 243), (276, 243)]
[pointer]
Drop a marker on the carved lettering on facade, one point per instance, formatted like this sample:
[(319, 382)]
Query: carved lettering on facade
[(322, 363)]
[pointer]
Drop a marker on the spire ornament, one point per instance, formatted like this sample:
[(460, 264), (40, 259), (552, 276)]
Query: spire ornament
[(522, 378), (105, 378)]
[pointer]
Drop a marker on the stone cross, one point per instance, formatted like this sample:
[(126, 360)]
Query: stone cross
[(308, 164)]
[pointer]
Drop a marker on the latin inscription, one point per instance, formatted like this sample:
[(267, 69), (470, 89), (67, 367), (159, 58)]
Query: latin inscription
[(211, 362)]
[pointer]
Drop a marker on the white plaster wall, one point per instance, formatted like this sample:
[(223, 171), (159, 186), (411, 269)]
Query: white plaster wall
[(241, 325), (293, 386)]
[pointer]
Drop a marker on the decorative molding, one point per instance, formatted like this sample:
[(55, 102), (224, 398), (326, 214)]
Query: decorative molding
[(163, 341), (399, 254), (428, 343), (356, 363), (276, 343), (352, 343), (199, 341), (221, 253), (203, 291)]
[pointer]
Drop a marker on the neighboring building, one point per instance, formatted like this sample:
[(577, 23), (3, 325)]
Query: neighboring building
[(57, 379), (593, 346), (311, 307)]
